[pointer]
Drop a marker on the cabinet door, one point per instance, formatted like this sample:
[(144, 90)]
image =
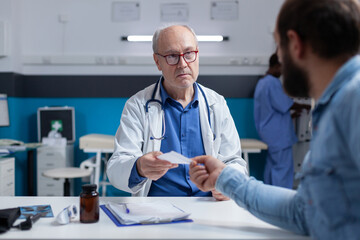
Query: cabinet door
[(7, 176), (49, 157), (50, 187)]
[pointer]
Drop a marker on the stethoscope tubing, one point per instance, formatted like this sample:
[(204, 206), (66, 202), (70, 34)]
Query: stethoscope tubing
[(153, 100)]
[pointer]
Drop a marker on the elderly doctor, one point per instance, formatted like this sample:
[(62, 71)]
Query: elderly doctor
[(174, 114)]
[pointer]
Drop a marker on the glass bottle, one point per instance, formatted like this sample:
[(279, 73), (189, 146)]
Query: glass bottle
[(89, 204)]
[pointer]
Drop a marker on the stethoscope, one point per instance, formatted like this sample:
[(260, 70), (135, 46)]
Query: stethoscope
[(153, 100)]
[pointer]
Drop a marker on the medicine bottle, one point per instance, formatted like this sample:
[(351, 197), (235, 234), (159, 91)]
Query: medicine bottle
[(89, 204)]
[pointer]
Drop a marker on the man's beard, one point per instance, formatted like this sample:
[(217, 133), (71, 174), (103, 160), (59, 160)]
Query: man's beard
[(296, 80)]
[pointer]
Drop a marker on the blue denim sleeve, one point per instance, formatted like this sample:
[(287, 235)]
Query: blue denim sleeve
[(275, 205), (135, 178)]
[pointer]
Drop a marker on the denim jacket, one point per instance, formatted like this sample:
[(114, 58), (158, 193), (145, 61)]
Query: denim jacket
[(331, 170), (327, 203)]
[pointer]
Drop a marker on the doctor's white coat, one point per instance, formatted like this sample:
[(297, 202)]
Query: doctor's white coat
[(132, 138)]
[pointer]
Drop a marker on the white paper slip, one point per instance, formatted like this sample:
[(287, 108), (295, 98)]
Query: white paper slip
[(175, 157)]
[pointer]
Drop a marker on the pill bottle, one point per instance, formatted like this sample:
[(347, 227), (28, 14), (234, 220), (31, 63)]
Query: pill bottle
[(89, 204)]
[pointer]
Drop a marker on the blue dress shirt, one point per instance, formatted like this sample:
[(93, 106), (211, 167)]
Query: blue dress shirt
[(183, 135)]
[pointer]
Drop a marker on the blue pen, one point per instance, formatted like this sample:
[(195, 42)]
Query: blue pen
[(126, 208)]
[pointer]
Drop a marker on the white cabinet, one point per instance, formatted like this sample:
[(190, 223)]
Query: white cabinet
[(7, 176), (49, 157)]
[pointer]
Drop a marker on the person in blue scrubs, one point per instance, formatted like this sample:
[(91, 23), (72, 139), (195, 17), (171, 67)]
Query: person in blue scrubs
[(274, 125)]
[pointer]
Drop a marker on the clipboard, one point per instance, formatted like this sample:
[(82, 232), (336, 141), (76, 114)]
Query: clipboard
[(118, 224)]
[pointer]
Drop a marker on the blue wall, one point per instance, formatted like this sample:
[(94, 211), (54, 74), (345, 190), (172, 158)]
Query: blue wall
[(101, 115)]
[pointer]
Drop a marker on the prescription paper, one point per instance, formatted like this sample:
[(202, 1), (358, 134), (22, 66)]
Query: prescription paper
[(175, 157)]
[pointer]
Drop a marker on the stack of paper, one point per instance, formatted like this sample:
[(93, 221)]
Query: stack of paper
[(4, 152), (146, 213)]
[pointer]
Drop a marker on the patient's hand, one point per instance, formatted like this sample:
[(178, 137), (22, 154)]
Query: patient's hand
[(218, 196), (204, 171)]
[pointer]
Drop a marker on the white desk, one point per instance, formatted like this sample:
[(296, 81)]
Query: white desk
[(251, 146), (212, 220)]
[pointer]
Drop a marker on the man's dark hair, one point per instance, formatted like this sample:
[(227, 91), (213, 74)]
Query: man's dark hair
[(330, 27), (273, 60)]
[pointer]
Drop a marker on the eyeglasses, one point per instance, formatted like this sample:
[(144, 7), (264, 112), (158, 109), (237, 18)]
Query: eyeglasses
[(173, 59)]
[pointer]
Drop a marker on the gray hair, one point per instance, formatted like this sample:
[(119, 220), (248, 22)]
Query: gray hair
[(162, 28)]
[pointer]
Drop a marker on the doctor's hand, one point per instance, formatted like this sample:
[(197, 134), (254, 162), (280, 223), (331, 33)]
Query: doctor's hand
[(151, 167), (204, 171)]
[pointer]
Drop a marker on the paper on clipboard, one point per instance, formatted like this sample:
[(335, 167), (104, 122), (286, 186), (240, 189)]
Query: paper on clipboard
[(146, 213), (175, 157)]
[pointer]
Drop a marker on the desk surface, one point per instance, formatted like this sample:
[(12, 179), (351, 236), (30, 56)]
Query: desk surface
[(212, 220)]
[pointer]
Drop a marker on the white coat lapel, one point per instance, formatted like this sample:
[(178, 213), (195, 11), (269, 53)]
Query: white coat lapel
[(206, 132)]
